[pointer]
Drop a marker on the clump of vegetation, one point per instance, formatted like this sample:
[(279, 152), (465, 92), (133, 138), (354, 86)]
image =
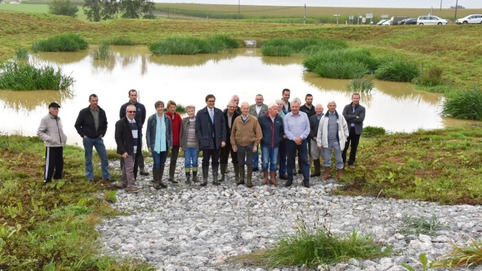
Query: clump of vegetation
[(120, 41), (419, 225), (308, 46), (468, 256), (432, 77), (342, 64), (464, 104), (63, 7), (320, 246), (22, 54), (397, 70), (51, 227), (103, 52), (360, 85), (23, 76), (372, 131), (61, 43), (192, 46)]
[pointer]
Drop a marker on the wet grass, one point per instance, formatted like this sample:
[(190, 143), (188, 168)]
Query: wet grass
[(23, 76), (103, 52), (360, 85), (307, 46), (192, 46), (61, 43), (51, 227), (397, 70), (438, 165)]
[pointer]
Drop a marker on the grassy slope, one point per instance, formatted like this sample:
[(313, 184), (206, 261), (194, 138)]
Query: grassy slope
[(452, 48)]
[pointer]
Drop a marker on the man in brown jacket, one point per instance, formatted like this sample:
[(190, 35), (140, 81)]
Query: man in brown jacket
[(245, 137)]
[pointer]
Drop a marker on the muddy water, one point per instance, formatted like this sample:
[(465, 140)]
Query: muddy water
[(188, 79)]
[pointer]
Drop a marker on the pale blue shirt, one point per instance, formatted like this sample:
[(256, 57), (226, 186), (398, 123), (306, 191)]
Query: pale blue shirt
[(296, 126)]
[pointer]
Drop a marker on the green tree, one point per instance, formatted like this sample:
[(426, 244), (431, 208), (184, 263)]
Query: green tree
[(92, 9), (63, 7), (135, 8)]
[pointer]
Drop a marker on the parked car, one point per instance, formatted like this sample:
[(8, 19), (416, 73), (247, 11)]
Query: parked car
[(387, 22), (397, 19), (381, 21), (431, 20), (470, 19), (408, 21)]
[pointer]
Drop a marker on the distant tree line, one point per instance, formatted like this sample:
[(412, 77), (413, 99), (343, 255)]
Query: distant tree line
[(97, 10)]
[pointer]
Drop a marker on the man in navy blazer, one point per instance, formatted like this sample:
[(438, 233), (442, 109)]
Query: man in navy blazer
[(211, 133)]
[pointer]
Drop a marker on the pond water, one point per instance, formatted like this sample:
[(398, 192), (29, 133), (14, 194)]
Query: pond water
[(188, 79)]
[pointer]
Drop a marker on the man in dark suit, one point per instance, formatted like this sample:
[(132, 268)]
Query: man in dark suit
[(354, 114), (230, 114), (127, 137), (211, 133)]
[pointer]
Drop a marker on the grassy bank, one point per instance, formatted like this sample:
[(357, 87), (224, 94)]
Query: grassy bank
[(450, 48), (51, 227)]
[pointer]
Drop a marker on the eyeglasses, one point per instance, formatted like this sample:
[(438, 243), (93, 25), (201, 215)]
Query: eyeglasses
[(131, 111)]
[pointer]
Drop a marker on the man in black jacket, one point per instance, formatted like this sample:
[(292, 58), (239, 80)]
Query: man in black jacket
[(127, 137), (211, 133), (230, 114), (91, 125), (354, 114)]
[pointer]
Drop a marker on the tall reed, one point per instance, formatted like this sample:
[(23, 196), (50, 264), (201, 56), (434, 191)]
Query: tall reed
[(464, 104), (360, 85), (23, 76), (102, 53), (192, 46), (397, 70)]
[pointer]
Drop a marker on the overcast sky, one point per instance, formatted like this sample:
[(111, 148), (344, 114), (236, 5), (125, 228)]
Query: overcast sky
[(345, 3)]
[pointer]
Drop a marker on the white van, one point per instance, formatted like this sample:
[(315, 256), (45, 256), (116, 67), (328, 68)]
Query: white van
[(431, 20)]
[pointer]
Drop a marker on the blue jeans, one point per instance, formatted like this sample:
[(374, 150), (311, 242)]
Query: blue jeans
[(270, 156), (159, 159), (191, 156), (292, 149), (256, 159), (98, 143), (338, 156)]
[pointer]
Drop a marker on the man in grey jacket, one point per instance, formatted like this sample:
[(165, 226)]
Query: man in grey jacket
[(354, 114), (52, 133), (258, 110)]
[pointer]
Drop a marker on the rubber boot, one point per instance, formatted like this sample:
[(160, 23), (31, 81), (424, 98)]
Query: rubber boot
[(194, 175), (241, 175), (339, 175), (317, 165), (236, 173), (326, 174), (215, 175), (223, 172), (188, 176), (161, 173), (265, 178), (172, 170), (205, 176), (155, 174), (249, 176), (272, 179)]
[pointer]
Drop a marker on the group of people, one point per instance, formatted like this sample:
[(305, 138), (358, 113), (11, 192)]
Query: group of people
[(283, 130)]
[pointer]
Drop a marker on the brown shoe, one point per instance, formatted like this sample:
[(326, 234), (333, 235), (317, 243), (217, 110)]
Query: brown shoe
[(272, 179), (339, 175), (265, 178), (119, 185), (133, 190), (326, 174)]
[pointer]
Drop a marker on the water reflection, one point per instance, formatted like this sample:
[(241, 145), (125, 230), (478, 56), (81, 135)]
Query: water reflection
[(187, 80)]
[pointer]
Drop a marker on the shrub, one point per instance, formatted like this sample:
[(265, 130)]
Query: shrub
[(397, 70), (360, 85), (372, 131), (433, 77), (464, 104), (61, 43), (23, 76), (63, 7)]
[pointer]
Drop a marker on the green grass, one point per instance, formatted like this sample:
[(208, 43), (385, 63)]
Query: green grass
[(360, 85), (120, 41), (103, 52), (23, 76), (463, 256), (51, 227), (464, 104), (373, 131), (419, 225), (307, 46), (312, 247), (67, 42), (437, 165)]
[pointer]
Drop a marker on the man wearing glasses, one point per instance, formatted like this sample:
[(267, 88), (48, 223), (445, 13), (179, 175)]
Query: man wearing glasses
[(211, 133), (127, 131)]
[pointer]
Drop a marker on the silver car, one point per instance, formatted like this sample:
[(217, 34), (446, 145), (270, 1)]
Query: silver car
[(470, 19), (431, 20)]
